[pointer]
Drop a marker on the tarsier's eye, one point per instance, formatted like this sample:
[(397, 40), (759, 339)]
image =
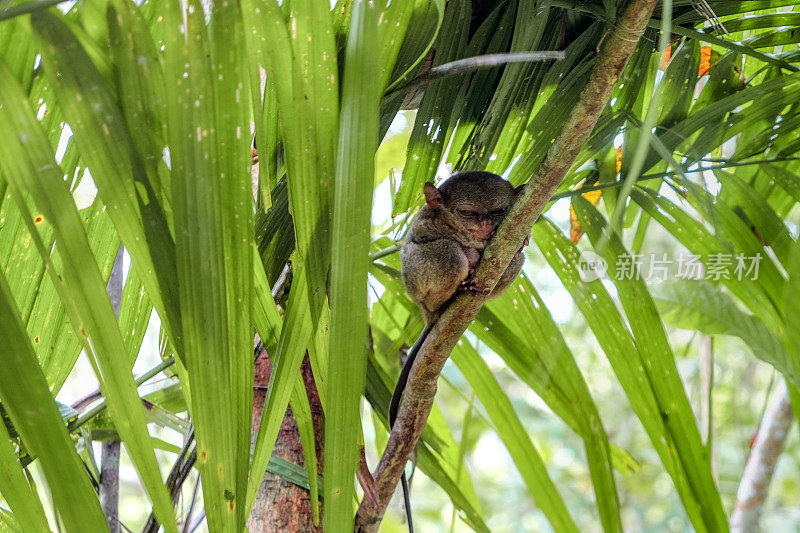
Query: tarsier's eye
[(466, 213)]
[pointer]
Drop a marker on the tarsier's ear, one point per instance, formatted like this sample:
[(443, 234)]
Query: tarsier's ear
[(433, 196), (518, 190)]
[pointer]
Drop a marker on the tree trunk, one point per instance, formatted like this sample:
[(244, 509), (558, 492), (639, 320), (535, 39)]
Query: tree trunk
[(281, 506), (770, 438)]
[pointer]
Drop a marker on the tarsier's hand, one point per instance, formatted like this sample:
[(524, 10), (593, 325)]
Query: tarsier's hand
[(471, 284)]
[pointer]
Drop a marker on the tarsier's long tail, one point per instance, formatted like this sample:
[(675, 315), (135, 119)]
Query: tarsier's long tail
[(407, 500), (394, 405)]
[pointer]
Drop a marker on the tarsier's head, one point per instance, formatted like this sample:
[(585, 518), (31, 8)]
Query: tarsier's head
[(472, 203)]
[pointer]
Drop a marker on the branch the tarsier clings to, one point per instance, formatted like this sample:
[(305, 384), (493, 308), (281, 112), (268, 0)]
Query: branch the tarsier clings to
[(617, 48)]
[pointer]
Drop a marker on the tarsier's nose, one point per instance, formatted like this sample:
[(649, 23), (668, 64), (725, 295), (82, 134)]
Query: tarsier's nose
[(485, 229)]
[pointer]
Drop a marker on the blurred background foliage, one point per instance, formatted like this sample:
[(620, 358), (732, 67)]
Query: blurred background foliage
[(294, 137)]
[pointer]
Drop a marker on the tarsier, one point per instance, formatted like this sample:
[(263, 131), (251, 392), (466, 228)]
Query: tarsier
[(442, 248)]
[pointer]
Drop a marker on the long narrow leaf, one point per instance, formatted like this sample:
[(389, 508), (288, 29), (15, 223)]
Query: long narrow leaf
[(659, 364), (232, 107), (352, 207), (620, 349), (302, 65), (209, 147), (82, 289), (106, 145), (16, 491), (541, 358), (268, 323), (517, 441), (27, 400)]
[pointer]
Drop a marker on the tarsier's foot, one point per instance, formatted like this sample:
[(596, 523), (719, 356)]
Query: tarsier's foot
[(471, 284)]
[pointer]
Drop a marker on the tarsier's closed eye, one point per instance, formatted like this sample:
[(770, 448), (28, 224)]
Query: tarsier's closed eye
[(466, 213), (497, 215)]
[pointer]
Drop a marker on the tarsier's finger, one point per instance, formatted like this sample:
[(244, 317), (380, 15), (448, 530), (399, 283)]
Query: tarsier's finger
[(470, 284)]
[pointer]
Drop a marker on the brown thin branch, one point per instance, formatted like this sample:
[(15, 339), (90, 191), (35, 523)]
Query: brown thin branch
[(82, 403), (614, 53), (766, 449), (109, 484), (472, 64), (177, 475), (109, 456)]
